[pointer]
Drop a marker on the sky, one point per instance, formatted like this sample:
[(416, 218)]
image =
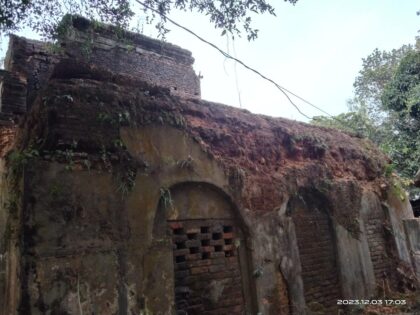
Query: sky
[(313, 48)]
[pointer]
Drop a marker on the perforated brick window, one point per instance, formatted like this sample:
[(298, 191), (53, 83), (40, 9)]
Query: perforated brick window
[(207, 272)]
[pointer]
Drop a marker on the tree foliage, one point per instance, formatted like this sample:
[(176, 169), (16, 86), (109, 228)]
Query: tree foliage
[(401, 98), (386, 107), (357, 122), (377, 70), (402, 92), (230, 16)]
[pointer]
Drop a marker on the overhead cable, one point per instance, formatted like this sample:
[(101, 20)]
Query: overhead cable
[(285, 91)]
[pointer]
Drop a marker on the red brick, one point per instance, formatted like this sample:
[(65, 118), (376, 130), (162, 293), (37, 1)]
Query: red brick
[(218, 261), (179, 238), (175, 225), (193, 256), (217, 268), (204, 236), (198, 270), (217, 254), (196, 263), (181, 252), (207, 249), (229, 235), (229, 247), (192, 243), (192, 230), (220, 242)]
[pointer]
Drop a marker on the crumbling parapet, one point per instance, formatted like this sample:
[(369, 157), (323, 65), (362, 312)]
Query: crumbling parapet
[(155, 62)]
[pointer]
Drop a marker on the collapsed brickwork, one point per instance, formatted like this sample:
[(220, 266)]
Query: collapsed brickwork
[(125, 193)]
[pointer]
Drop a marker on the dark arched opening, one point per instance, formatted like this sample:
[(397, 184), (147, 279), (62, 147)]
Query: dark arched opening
[(211, 261)]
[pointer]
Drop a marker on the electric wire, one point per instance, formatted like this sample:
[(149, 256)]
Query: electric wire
[(285, 91), (238, 91), (225, 54)]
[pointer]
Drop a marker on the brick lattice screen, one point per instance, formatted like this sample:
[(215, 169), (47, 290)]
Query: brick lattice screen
[(207, 272)]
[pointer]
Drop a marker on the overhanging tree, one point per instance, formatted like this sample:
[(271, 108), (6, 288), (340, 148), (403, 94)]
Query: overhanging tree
[(386, 108), (401, 97), (43, 16)]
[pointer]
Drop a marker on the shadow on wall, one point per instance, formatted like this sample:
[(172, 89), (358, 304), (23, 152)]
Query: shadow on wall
[(415, 204)]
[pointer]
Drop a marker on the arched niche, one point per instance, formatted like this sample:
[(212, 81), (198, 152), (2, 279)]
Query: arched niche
[(310, 210), (210, 257)]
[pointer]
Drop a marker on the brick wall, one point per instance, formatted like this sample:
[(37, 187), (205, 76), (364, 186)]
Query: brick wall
[(12, 93), (377, 244), (154, 61), (31, 63), (207, 274), (318, 257)]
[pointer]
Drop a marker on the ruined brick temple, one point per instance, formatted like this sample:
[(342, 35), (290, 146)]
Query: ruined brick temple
[(123, 192)]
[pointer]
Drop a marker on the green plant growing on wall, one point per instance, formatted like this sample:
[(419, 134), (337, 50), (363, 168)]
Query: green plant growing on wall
[(123, 118), (389, 170), (118, 144), (87, 164), (105, 118), (166, 198), (54, 48), (68, 154), (127, 181), (237, 243), (105, 157), (129, 47), (258, 271), (16, 160), (64, 26), (19, 159), (87, 48), (397, 188), (187, 163), (114, 119), (55, 191)]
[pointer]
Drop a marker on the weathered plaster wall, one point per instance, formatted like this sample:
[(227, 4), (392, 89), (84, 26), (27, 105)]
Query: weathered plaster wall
[(356, 270), (398, 208), (277, 264), (89, 248), (374, 219), (10, 251), (3, 220), (412, 227)]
